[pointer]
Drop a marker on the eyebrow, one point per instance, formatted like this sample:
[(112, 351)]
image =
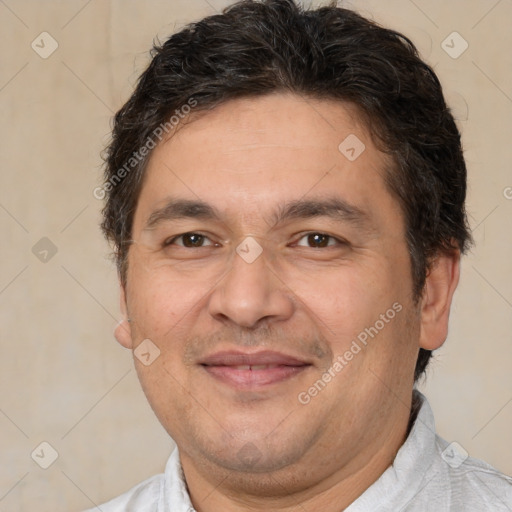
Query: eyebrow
[(333, 207)]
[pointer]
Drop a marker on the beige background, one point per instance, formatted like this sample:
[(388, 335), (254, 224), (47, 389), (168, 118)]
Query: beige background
[(63, 378)]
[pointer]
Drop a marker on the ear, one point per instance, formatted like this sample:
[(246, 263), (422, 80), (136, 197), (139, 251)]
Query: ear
[(123, 331), (440, 285)]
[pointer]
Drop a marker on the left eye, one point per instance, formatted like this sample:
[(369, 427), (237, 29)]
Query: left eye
[(318, 240), (189, 240)]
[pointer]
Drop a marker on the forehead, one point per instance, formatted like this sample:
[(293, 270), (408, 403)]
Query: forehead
[(248, 155)]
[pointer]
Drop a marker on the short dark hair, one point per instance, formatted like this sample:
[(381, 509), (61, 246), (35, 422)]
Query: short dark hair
[(258, 47)]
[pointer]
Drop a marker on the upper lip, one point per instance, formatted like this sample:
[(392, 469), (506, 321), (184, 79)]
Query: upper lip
[(238, 358)]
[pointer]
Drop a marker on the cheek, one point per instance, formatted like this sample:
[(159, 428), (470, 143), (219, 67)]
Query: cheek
[(165, 389), (342, 299), (163, 296)]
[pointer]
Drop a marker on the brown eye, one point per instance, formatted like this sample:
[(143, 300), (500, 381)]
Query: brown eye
[(317, 240), (189, 240), (193, 240)]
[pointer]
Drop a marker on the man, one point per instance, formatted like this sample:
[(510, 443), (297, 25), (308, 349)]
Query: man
[(285, 195)]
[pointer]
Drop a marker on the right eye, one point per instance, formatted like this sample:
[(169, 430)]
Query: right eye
[(189, 240)]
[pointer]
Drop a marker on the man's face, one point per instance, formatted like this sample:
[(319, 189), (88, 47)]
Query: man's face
[(245, 337)]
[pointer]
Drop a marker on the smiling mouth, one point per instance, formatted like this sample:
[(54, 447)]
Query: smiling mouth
[(250, 377), (250, 371)]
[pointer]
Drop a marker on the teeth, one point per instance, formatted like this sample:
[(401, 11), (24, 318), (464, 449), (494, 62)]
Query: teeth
[(255, 367)]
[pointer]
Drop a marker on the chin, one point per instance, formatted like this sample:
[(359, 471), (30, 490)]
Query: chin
[(254, 459), (254, 450)]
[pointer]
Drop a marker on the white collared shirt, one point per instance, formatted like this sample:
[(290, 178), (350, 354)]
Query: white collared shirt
[(427, 475)]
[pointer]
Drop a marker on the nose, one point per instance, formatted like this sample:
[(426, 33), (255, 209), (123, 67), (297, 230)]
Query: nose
[(250, 294)]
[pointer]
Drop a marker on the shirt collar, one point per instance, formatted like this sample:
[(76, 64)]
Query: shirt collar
[(402, 481)]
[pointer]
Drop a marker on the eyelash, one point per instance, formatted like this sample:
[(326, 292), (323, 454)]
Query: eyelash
[(171, 241)]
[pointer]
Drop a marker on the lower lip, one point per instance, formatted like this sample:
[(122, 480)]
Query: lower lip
[(251, 379)]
